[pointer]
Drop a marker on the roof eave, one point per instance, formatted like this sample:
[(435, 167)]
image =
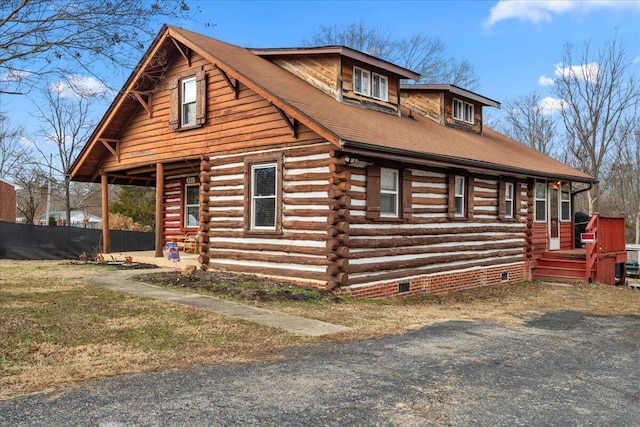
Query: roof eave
[(404, 73), (431, 159), (456, 90)]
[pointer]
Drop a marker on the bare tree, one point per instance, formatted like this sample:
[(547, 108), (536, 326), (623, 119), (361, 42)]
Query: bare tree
[(13, 154), (622, 184), (41, 37), (32, 192), (66, 125), (528, 122), (425, 55), (598, 91)]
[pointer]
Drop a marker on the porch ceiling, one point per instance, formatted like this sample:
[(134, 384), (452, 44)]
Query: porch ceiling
[(144, 175)]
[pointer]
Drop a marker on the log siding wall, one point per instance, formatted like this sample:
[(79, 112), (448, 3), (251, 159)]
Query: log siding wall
[(429, 251), (297, 252)]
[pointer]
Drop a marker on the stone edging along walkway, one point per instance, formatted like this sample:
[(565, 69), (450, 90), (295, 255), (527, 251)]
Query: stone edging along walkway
[(119, 281)]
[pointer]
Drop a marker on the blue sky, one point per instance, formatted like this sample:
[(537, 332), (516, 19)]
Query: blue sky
[(511, 44)]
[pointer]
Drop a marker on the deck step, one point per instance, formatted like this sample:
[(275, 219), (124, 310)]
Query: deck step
[(563, 266)]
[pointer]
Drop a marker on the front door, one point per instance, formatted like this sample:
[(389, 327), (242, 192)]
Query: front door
[(554, 218)]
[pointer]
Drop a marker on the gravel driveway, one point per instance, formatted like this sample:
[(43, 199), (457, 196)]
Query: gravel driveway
[(565, 368)]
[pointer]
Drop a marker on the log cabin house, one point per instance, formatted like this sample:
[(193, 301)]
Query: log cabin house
[(318, 165)]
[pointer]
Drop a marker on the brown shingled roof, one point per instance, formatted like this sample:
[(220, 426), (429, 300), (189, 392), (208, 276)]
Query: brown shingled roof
[(354, 128), (358, 127)]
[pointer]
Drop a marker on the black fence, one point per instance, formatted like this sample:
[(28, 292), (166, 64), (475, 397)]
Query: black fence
[(20, 241)]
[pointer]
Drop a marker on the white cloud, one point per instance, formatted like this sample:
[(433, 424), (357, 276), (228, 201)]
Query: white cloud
[(546, 81), (636, 60), (545, 10), (78, 87), (588, 72), (549, 105)]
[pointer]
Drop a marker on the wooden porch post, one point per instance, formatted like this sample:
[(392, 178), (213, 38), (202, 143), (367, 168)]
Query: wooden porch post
[(159, 202), (106, 242)]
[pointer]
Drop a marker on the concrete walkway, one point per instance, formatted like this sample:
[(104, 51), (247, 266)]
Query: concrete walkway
[(119, 281)]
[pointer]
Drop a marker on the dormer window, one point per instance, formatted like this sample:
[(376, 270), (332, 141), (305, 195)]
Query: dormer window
[(370, 84), (468, 112), (463, 111), (380, 85), (361, 80)]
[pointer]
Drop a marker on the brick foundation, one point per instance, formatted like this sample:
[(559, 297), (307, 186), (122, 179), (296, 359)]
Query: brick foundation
[(433, 284)]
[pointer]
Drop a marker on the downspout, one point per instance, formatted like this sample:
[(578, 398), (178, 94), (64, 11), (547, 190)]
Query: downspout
[(573, 213)]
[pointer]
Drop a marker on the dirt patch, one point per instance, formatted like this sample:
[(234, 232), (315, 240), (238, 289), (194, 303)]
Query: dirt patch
[(243, 287)]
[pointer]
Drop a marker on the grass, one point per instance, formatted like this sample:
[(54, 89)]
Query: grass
[(57, 331)]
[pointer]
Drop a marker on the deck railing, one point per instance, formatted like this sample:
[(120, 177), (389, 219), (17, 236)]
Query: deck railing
[(607, 248), (592, 247)]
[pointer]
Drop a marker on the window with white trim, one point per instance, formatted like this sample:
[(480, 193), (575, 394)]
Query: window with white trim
[(541, 201), (380, 86), (389, 192), (508, 199), (458, 194), (191, 205), (188, 102), (361, 80), (458, 109), (263, 196), (468, 112), (463, 111), (565, 202)]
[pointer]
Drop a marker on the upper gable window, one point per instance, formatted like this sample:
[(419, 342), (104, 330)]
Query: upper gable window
[(361, 80), (463, 111), (188, 102)]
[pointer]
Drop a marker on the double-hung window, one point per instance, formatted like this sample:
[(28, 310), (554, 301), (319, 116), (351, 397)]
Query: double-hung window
[(380, 87), (458, 109), (264, 180), (458, 194), (191, 205), (468, 112), (541, 201), (361, 81), (389, 192), (463, 111), (188, 102), (508, 199), (565, 202)]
